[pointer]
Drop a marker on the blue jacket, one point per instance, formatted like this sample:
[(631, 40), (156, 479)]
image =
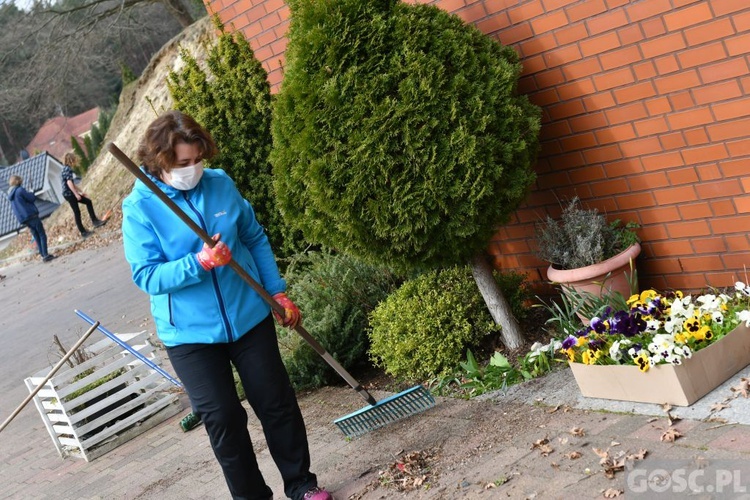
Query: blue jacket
[(22, 203), (191, 305)]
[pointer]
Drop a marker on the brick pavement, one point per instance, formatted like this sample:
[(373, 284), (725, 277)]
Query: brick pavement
[(479, 442)]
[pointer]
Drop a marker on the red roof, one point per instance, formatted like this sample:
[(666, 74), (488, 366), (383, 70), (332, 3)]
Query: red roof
[(54, 136)]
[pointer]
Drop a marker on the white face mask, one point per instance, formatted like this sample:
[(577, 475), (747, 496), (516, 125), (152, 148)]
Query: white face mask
[(185, 178)]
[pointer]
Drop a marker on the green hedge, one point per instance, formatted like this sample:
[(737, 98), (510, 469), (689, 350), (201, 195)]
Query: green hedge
[(230, 96), (424, 328), (336, 294)]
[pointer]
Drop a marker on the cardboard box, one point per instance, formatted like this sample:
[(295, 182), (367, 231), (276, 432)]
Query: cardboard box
[(679, 385)]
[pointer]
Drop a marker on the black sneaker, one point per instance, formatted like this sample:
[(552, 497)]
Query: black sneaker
[(99, 223), (48, 258), (86, 234)]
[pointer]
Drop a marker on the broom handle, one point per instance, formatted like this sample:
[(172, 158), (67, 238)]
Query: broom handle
[(49, 376), (203, 235), (129, 348)]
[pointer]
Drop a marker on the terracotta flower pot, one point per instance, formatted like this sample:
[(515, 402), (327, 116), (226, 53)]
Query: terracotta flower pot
[(610, 275)]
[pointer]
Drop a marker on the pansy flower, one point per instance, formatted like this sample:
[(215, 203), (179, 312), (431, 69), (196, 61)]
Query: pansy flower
[(598, 324), (642, 362), (569, 342), (658, 329), (744, 316)]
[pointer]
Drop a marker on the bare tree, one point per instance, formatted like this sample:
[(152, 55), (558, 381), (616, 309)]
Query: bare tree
[(103, 9), (67, 57)]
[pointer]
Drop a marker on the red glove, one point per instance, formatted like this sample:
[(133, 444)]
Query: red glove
[(292, 315), (217, 256)]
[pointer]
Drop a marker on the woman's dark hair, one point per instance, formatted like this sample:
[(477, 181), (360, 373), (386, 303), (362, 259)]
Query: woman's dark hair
[(156, 150)]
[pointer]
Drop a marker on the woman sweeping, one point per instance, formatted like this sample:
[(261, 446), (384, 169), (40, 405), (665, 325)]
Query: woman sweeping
[(205, 314)]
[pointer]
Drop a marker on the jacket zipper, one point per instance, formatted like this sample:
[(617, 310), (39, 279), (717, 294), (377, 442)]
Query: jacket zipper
[(214, 279)]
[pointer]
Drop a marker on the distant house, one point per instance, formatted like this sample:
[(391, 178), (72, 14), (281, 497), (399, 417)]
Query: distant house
[(42, 175), (54, 136)]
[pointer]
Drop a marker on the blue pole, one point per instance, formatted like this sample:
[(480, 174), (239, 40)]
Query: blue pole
[(128, 348)]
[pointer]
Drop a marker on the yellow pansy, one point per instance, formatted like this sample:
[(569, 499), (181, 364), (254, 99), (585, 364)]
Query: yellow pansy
[(642, 362), (586, 357)]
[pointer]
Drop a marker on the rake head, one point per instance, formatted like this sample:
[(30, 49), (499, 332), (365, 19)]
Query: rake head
[(386, 411)]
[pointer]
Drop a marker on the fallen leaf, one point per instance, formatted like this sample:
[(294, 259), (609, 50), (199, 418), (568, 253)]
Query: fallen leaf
[(718, 407), (666, 407), (553, 410), (718, 420), (612, 493), (489, 486), (610, 464), (743, 387), (611, 469), (613, 464), (603, 454), (539, 442), (640, 455), (555, 465), (672, 419), (670, 435), (410, 472), (574, 455), (562, 440), (577, 432), (545, 450), (614, 443)]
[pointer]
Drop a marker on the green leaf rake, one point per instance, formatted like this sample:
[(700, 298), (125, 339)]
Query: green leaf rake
[(374, 416)]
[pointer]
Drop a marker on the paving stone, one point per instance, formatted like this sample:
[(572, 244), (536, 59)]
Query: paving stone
[(734, 439)]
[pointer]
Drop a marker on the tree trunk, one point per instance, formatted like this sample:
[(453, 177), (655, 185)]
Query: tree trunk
[(179, 12), (496, 302)]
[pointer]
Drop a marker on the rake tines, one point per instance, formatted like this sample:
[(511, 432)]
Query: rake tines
[(386, 411)]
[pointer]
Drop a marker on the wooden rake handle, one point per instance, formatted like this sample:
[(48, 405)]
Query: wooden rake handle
[(49, 375), (204, 236)]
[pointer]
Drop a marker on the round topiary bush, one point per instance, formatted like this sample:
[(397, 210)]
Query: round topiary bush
[(398, 133), (424, 328)]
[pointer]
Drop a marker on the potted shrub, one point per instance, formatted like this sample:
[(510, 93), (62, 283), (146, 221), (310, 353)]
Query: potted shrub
[(587, 253), (662, 347)]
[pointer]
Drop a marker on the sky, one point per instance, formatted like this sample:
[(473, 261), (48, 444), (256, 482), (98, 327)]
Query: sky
[(21, 4)]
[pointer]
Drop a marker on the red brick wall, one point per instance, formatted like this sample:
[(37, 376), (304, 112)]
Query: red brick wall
[(646, 116)]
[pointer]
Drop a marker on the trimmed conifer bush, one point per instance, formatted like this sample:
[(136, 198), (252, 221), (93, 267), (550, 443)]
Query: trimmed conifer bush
[(336, 293), (398, 133), (230, 96), (423, 329)]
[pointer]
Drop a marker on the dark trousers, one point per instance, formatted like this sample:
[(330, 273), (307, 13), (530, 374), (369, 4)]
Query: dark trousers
[(77, 212), (206, 373), (37, 232)]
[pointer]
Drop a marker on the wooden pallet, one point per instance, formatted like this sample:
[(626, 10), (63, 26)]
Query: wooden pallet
[(125, 399)]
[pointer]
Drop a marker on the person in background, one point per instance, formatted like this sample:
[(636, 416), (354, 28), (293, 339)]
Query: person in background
[(74, 196), (207, 316), (22, 204)]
